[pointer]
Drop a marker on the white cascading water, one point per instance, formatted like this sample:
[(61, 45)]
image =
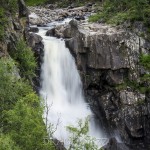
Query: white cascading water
[(62, 89)]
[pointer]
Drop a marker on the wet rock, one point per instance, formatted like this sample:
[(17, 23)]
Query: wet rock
[(114, 145), (41, 25), (69, 30), (59, 31), (59, 145), (33, 29), (73, 24), (79, 18), (64, 14), (33, 39), (51, 32)]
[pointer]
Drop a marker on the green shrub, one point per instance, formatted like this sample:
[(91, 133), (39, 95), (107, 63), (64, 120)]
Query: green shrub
[(145, 61), (25, 58), (79, 138), (6, 143), (12, 87)]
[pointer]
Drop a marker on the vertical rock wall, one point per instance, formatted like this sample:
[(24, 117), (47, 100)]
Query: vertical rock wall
[(108, 60)]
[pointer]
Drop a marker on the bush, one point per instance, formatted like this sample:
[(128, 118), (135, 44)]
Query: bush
[(145, 61), (6, 143), (25, 58)]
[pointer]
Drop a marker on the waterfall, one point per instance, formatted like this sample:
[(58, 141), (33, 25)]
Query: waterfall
[(62, 89)]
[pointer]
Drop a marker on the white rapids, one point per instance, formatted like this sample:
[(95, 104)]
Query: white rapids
[(62, 90)]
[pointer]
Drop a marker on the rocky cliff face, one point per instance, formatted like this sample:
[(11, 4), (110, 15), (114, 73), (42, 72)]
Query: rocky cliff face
[(14, 28), (17, 29), (108, 60)]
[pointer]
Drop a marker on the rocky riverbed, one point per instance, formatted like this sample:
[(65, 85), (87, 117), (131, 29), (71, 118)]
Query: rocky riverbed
[(50, 13)]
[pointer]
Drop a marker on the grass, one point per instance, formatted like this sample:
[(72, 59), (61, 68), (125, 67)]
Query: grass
[(116, 12), (35, 2), (95, 17)]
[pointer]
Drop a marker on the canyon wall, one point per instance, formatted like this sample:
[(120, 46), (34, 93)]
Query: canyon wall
[(108, 59)]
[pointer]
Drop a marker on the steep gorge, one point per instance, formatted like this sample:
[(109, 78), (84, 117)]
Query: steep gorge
[(108, 59)]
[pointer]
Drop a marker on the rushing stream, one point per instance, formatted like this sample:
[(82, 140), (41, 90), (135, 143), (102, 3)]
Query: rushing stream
[(62, 90)]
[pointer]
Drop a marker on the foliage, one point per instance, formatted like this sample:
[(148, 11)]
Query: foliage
[(134, 85), (62, 3), (6, 143), (35, 2), (10, 5), (21, 111), (3, 22), (26, 125), (95, 18), (11, 87), (79, 138), (25, 58), (118, 11), (145, 61)]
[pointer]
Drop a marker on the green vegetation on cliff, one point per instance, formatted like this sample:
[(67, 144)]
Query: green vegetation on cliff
[(62, 3), (21, 110), (145, 62), (3, 22), (25, 58), (118, 11), (35, 2)]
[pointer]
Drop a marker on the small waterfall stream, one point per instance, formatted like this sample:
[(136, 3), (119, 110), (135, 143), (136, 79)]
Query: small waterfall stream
[(62, 90)]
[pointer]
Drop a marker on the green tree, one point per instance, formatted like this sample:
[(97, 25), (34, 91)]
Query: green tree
[(79, 139), (6, 143), (26, 124)]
